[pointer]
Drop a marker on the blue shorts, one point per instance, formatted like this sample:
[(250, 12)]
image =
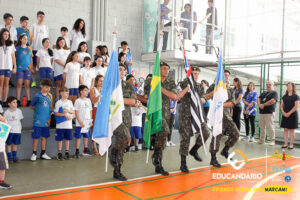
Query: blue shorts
[(73, 91), (40, 131), (34, 57), (24, 75), (45, 72), (136, 131), (13, 138), (5, 73), (78, 134), (62, 134), (58, 78)]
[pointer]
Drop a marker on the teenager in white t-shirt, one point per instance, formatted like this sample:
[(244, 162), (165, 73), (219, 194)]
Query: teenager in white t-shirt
[(63, 111), (99, 68), (87, 76), (83, 112), (7, 64), (82, 50), (39, 32), (78, 34), (44, 60), (13, 116), (60, 55), (71, 75), (8, 19), (64, 33)]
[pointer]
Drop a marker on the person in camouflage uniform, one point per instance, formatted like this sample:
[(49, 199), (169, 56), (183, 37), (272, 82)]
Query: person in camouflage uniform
[(185, 125), (228, 125), (122, 133), (169, 91)]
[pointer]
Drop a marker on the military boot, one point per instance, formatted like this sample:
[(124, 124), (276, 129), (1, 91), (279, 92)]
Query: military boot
[(118, 174), (113, 157), (194, 152), (224, 152), (183, 166), (214, 162)]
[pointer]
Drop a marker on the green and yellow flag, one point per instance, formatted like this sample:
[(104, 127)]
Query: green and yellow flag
[(153, 121)]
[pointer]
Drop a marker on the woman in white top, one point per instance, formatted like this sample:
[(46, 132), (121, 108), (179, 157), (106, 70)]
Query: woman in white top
[(60, 56), (78, 34), (99, 67), (95, 97), (71, 75), (44, 60), (7, 63), (83, 52)]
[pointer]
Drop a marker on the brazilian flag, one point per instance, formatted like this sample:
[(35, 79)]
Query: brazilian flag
[(153, 121)]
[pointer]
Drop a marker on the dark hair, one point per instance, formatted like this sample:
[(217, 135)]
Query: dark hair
[(129, 77), (248, 89), (50, 52), (96, 57), (86, 58), (7, 42), (121, 55), (239, 84), (23, 18), (70, 57), (19, 43), (76, 26), (57, 43), (46, 82), (294, 88), (63, 89), (10, 99), (149, 75), (124, 43), (206, 82), (99, 47), (102, 50), (81, 88), (227, 71), (7, 15), (188, 4), (97, 79), (79, 46), (40, 13), (63, 29)]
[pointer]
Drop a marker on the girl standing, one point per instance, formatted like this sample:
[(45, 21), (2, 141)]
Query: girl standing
[(7, 64), (44, 60), (237, 109), (99, 68), (83, 52), (78, 34)]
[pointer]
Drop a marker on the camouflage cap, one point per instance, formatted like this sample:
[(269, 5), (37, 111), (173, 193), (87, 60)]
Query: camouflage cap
[(162, 63), (195, 68)]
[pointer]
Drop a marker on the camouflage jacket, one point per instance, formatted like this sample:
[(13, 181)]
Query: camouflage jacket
[(185, 102), (128, 92), (230, 92), (169, 85)]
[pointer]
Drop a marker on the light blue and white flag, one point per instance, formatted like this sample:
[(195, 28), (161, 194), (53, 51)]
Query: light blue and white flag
[(110, 106)]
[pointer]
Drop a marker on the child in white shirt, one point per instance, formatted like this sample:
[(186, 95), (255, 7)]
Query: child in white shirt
[(83, 52), (44, 60), (87, 76)]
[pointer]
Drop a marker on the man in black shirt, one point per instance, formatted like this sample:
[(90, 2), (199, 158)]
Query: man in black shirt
[(267, 104), (212, 20)]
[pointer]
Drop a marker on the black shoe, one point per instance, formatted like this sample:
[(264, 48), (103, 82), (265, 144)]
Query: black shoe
[(136, 148), (60, 157), (4, 104), (118, 174), (194, 152), (214, 162), (290, 148), (4, 185), (160, 170), (224, 152), (284, 147), (67, 156), (19, 103), (127, 149), (183, 166), (77, 154), (28, 103)]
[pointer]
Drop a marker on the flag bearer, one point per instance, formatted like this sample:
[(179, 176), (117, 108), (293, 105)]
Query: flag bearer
[(185, 124)]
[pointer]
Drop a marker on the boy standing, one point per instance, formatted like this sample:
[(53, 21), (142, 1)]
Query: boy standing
[(24, 29), (63, 111), (64, 34), (8, 19), (13, 116), (83, 112), (41, 104)]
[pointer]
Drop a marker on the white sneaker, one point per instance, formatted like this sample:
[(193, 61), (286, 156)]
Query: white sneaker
[(246, 138), (271, 143), (167, 144), (172, 144), (140, 146), (45, 156), (33, 157), (252, 139)]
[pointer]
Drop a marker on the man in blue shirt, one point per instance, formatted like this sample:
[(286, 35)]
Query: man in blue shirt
[(186, 15), (41, 104), (164, 11)]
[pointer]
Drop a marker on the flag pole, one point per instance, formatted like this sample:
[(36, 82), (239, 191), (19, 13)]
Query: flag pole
[(147, 159), (106, 162)]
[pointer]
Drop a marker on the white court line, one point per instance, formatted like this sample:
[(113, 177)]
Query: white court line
[(250, 194)]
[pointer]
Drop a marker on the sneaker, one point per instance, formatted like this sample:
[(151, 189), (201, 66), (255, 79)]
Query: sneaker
[(172, 144), (4, 185), (10, 160), (167, 143), (127, 149), (136, 148), (246, 138), (252, 139), (33, 84), (16, 159), (19, 103), (33, 157), (86, 153), (4, 104), (140, 146), (60, 157), (67, 156), (45, 157), (271, 143), (77, 155), (28, 103)]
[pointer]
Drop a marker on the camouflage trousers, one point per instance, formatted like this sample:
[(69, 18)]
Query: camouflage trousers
[(161, 137), (185, 136), (230, 128), (122, 136)]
